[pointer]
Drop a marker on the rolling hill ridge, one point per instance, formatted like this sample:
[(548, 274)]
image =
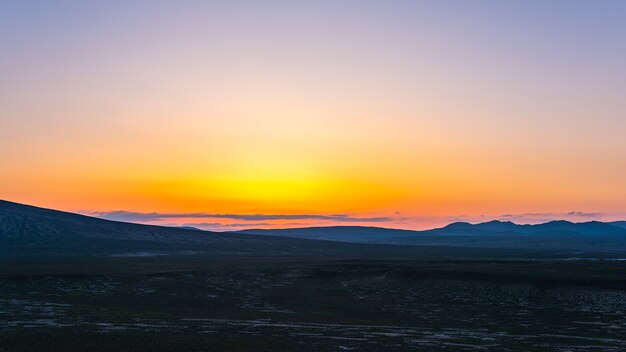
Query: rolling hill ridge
[(558, 234), (32, 231)]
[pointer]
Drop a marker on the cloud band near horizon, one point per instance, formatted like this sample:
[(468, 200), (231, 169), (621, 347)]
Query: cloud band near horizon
[(123, 215)]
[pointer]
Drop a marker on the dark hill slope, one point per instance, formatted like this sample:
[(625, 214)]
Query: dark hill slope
[(554, 235), (29, 230), (32, 231), (358, 234), (621, 224)]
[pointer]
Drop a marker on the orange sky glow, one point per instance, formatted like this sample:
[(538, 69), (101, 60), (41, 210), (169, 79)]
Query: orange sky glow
[(229, 117)]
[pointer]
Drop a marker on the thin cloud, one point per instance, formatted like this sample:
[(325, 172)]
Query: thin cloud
[(549, 216), (123, 215), (554, 215), (584, 214), (220, 225)]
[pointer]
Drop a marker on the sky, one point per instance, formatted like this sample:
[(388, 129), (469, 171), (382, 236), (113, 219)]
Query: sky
[(261, 114)]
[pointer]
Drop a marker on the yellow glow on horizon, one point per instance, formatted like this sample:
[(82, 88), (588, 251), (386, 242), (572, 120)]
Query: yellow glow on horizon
[(177, 109)]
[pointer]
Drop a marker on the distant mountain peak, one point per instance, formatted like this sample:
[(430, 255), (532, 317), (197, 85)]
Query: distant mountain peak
[(555, 222), (459, 223), (492, 223)]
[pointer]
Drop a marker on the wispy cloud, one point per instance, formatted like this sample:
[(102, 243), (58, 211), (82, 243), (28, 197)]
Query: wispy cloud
[(584, 214), (123, 215), (552, 216), (539, 217), (581, 214), (246, 225)]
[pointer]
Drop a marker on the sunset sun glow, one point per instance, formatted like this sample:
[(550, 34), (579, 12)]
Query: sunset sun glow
[(379, 114)]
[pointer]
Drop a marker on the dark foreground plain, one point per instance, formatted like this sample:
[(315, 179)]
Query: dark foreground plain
[(73, 283), (270, 303)]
